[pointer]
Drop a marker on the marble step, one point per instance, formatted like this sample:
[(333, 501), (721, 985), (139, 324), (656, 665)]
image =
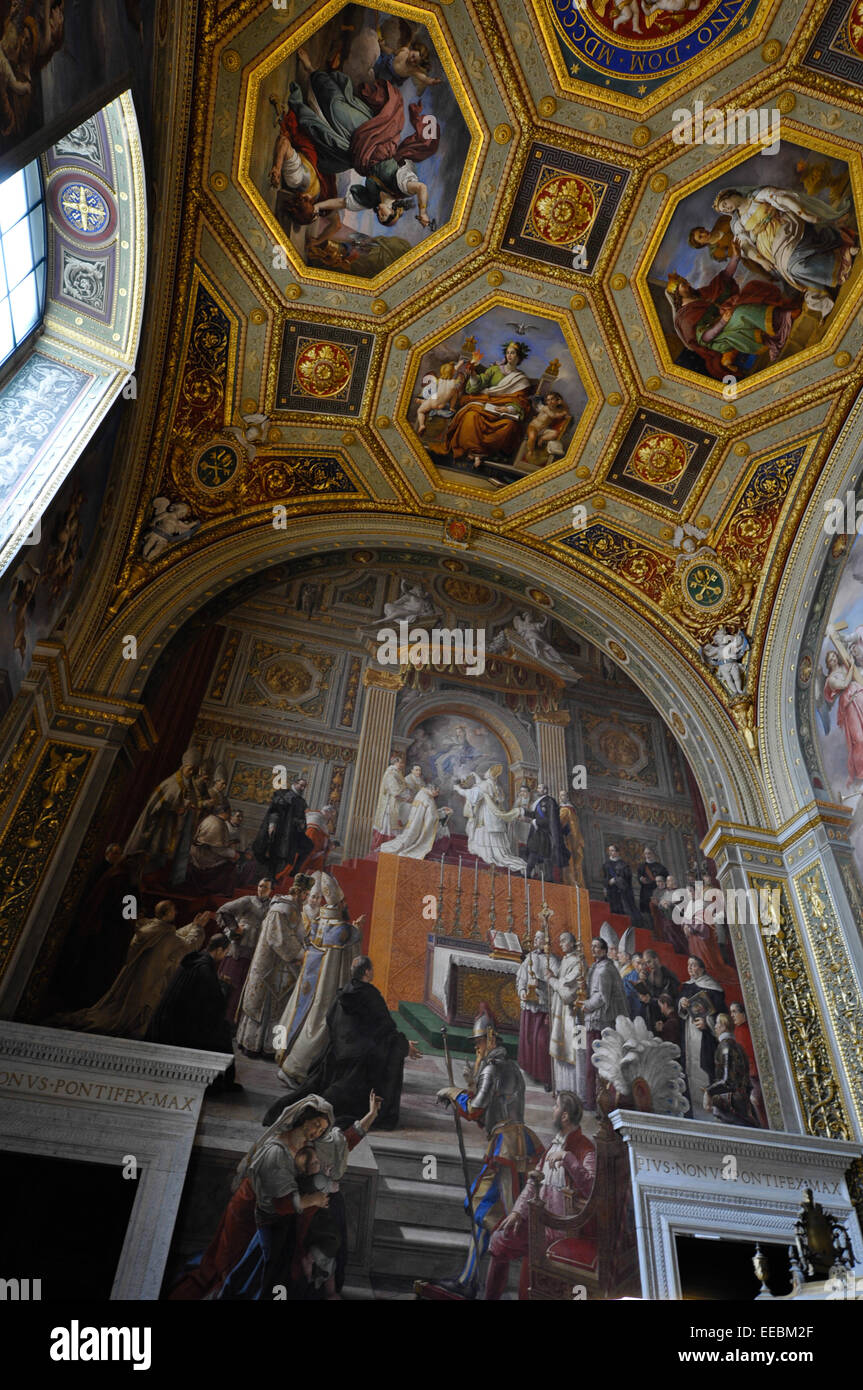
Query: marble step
[(406, 1162), (418, 1252), (411, 1252), (437, 1205)]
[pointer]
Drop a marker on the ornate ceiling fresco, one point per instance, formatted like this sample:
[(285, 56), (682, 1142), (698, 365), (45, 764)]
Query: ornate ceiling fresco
[(541, 199)]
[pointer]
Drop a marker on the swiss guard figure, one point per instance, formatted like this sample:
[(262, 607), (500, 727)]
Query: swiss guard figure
[(493, 1096)]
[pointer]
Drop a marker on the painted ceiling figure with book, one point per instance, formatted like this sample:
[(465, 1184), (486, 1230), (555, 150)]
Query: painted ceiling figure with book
[(493, 421)]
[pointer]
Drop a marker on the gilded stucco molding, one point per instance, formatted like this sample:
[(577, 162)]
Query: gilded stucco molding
[(818, 1086), (840, 987)]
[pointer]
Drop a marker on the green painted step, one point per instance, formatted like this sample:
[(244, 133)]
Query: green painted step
[(421, 1023)]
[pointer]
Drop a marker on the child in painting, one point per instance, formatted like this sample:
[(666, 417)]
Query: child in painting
[(439, 393), (549, 422)]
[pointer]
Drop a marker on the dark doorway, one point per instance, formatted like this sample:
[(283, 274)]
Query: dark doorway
[(65, 1226), (721, 1270)]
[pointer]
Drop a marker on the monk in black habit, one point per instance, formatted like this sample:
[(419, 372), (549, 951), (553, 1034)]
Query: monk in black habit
[(546, 850), (191, 1012), (282, 838), (366, 1052)]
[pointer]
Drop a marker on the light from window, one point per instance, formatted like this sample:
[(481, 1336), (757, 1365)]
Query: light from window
[(22, 257)]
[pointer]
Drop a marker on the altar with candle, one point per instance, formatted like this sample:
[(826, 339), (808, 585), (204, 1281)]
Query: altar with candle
[(455, 908)]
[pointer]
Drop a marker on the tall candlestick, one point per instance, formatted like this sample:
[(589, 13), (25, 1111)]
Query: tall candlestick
[(439, 922), (456, 926)]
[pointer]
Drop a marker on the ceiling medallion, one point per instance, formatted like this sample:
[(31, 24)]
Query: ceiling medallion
[(854, 26), (704, 583), (541, 597), (456, 531), (563, 209), (616, 650), (214, 468), (322, 369), (614, 40), (659, 459)]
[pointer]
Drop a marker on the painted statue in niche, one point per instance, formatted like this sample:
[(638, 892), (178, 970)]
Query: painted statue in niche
[(752, 264), (499, 399), (449, 746), (369, 143)]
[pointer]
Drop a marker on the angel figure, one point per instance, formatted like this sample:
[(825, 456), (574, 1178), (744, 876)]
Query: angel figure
[(25, 582), (168, 522), (61, 768), (414, 601), (843, 683), (439, 394), (530, 634), (726, 654), (251, 434)]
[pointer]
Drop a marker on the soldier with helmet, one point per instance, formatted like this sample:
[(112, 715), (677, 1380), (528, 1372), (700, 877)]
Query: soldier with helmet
[(493, 1096)]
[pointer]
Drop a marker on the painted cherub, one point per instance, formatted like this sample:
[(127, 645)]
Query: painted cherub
[(549, 422), (439, 393)]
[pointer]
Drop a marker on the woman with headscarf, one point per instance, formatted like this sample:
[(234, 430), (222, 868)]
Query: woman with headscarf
[(265, 1189), (307, 1257)]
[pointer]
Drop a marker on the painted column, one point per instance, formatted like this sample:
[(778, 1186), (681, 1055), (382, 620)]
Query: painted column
[(551, 742), (376, 733)]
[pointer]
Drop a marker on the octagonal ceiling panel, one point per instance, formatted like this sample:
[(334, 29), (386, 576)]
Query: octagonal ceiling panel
[(559, 205), (360, 114), (499, 396), (754, 261)]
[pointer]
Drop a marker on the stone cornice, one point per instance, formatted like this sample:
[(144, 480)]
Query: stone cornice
[(61, 1048), (694, 1136)]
